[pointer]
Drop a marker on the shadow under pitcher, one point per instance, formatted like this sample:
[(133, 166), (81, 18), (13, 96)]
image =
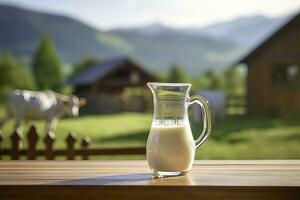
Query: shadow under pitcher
[(170, 145)]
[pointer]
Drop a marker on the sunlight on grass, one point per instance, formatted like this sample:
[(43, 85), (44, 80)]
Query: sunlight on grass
[(234, 138), (121, 130)]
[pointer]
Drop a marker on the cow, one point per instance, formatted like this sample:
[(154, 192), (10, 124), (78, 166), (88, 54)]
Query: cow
[(47, 105), (217, 105)]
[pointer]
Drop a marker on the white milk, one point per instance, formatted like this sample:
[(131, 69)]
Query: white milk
[(170, 148)]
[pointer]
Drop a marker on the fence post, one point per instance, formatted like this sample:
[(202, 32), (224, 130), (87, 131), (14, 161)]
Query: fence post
[(32, 138), (84, 146), (71, 139), (16, 144), (49, 140), (1, 139)]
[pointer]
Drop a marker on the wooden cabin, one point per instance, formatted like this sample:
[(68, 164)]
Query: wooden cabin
[(273, 82), (103, 86)]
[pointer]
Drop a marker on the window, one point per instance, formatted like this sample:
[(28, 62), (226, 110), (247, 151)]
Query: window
[(134, 77), (292, 73), (285, 75)]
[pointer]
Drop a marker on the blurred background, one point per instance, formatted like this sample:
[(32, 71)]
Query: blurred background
[(243, 56)]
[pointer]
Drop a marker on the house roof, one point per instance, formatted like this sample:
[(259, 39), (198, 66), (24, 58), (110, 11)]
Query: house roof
[(100, 70), (294, 21)]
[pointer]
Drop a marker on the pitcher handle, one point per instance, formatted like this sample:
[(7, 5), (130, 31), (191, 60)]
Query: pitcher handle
[(203, 103)]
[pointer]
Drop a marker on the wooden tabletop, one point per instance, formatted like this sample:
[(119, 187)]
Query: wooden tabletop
[(211, 179)]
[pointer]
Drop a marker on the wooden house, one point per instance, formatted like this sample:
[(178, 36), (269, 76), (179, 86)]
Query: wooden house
[(103, 85), (273, 82)]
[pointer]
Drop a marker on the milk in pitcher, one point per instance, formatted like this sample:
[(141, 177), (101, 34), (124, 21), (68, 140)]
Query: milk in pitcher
[(170, 148)]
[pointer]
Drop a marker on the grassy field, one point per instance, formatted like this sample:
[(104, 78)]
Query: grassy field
[(234, 138)]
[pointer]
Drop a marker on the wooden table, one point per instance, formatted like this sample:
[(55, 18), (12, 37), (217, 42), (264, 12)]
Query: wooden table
[(132, 180)]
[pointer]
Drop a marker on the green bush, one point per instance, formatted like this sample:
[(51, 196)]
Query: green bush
[(46, 66), (177, 75), (13, 75)]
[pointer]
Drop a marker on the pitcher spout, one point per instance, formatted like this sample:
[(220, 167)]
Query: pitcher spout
[(151, 86), (175, 90), (170, 102)]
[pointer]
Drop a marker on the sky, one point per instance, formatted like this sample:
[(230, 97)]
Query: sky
[(109, 14)]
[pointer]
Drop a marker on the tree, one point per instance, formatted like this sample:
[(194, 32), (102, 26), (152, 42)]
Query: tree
[(177, 75), (161, 75), (211, 80), (46, 66), (83, 64), (13, 75), (234, 81)]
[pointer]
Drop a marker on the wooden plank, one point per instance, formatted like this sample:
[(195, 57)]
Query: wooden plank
[(113, 151), (49, 141), (147, 192), (249, 179), (1, 140), (16, 144), (71, 139), (81, 152), (32, 138), (85, 142), (204, 173)]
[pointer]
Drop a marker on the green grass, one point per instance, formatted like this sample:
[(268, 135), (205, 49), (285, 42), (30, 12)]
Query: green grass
[(120, 130), (251, 138), (234, 138)]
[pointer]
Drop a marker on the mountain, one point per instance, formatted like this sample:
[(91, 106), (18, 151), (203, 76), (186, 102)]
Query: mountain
[(151, 29), (246, 31), (155, 46), (22, 29), (191, 51)]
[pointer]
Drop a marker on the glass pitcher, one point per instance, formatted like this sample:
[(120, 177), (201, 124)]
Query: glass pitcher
[(170, 145)]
